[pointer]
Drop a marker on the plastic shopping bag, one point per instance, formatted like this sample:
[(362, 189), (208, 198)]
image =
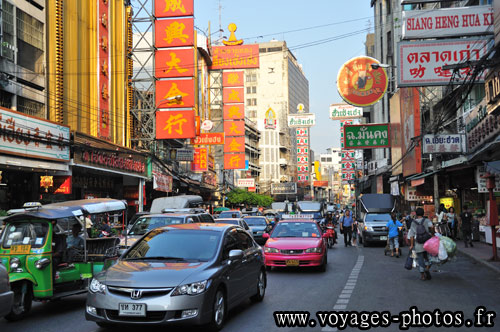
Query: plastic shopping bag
[(442, 255), (449, 245), (409, 262), (432, 246)]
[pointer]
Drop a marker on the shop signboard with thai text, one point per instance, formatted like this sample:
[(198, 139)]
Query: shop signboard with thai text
[(162, 182), (481, 181), (444, 143), (480, 127), (246, 183), (420, 62), (345, 111), (208, 139), (448, 22), (243, 56), (27, 136), (302, 120), (285, 188), (411, 194), (367, 136)]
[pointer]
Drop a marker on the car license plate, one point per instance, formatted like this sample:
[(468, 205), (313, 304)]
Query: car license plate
[(292, 262), (383, 238), (132, 309)]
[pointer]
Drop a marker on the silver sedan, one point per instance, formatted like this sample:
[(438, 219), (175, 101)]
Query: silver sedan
[(188, 274)]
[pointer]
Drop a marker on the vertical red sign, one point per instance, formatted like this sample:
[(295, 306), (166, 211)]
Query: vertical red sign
[(104, 70)]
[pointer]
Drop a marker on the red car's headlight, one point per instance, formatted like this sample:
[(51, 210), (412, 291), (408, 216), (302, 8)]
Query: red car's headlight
[(313, 250), (271, 250)]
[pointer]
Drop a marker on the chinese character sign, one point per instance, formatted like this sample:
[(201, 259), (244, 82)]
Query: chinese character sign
[(420, 62), (232, 78), (174, 63), (104, 63), (173, 8), (174, 33), (233, 95), (175, 93), (234, 111), (235, 144), (175, 124), (200, 162), (234, 128), (234, 161)]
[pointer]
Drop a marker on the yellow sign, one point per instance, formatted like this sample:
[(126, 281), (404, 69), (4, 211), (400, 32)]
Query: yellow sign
[(448, 202), (20, 249), (232, 41)]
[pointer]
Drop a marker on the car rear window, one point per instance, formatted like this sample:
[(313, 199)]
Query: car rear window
[(230, 214), (256, 221), (145, 224), (204, 217), (228, 221)]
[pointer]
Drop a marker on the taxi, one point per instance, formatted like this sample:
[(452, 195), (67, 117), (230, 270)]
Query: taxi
[(296, 242)]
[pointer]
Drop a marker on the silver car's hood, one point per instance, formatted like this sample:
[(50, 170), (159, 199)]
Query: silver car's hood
[(151, 274)]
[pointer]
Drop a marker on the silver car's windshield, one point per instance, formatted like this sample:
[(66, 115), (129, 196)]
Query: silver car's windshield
[(145, 224), (256, 221), (176, 245)]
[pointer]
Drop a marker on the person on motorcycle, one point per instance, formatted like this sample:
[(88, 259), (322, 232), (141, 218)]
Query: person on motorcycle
[(330, 220)]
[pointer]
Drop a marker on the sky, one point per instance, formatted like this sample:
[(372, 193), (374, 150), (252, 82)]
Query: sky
[(263, 20)]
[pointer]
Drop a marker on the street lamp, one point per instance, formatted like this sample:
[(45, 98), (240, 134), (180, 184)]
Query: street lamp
[(177, 98), (376, 66)]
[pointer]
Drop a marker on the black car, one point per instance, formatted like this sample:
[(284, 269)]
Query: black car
[(258, 226)]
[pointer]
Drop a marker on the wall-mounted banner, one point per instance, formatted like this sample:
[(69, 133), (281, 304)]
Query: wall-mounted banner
[(233, 95), (320, 183), (103, 37), (359, 84), (234, 161), (27, 136), (174, 63), (420, 62), (175, 124), (235, 144), (444, 143), (302, 132), (233, 78), (285, 188), (301, 120), (200, 162), (175, 93), (234, 111), (174, 33), (303, 150), (245, 183), (234, 128), (345, 111), (208, 139), (447, 22), (303, 141), (234, 57), (367, 136), (270, 119), (166, 8)]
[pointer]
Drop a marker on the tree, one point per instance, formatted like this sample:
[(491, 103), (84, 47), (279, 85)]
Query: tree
[(240, 196)]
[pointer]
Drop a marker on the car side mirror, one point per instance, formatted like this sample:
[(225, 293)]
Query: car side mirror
[(235, 254), (265, 236)]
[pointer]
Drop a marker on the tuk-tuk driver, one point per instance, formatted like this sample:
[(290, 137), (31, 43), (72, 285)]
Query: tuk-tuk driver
[(75, 240), (57, 246)]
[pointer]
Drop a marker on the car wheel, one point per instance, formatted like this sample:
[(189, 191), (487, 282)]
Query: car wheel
[(322, 267), (365, 243), (261, 288), (23, 298), (219, 310)]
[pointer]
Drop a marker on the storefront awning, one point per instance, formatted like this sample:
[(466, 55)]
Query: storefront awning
[(418, 179), (38, 165)]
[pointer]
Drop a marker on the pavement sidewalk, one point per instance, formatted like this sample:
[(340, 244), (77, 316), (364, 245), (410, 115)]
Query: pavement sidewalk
[(481, 252)]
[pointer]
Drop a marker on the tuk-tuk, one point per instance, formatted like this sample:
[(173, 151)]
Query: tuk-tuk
[(34, 250)]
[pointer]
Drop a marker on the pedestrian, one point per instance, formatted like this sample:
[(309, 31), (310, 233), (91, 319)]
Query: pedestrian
[(452, 222), (441, 216), (415, 232), (393, 226), (466, 219), (346, 227)]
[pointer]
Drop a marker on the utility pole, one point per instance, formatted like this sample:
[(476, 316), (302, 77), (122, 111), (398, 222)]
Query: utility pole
[(434, 161)]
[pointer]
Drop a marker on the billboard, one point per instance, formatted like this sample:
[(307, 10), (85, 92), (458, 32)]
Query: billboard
[(175, 124), (345, 111), (208, 139), (420, 62), (410, 128), (167, 91), (174, 63), (234, 161), (234, 57), (447, 22), (367, 136), (235, 144), (174, 32), (232, 78), (285, 188), (174, 8), (234, 128), (359, 84), (233, 95), (246, 183), (301, 120), (234, 111)]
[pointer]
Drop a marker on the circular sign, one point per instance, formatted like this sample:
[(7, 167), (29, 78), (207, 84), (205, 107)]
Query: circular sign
[(207, 125), (359, 84)]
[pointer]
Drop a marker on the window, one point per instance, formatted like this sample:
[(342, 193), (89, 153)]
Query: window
[(244, 241), (29, 42), (252, 102), (252, 114), (30, 107), (251, 78), (251, 90), (204, 217), (8, 49), (230, 243)]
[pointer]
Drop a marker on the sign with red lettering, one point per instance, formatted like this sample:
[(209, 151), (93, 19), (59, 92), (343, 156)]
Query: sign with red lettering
[(173, 8), (448, 22), (420, 62), (162, 182), (302, 132), (175, 93), (175, 32), (208, 139), (175, 124), (62, 185), (200, 162), (174, 63)]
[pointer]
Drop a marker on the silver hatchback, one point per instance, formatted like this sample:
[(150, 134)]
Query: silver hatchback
[(181, 274)]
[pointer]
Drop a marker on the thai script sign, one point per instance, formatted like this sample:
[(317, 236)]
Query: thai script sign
[(113, 161), (28, 136), (411, 194), (246, 183), (285, 188), (480, 126), (208, 139), (359, 84), (244, 56), (345, 111), (447, 22), (368, 136), (302, 120), (162, 182), (420, 62), (184, 154), (444, 143)]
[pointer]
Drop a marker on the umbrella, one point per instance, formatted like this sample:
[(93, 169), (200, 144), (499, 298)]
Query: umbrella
[(221, 208)]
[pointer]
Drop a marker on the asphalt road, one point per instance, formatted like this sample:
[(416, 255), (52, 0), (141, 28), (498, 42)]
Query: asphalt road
[(356, 279)]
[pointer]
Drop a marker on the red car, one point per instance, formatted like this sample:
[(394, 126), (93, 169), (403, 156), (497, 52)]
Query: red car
[(296, 243)]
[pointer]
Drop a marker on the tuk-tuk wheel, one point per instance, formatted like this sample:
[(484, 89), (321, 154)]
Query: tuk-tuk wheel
[(23, 298)]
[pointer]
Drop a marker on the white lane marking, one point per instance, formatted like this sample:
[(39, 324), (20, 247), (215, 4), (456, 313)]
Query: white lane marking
[(345, 295)]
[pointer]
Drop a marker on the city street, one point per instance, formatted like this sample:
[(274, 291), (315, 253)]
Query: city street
[(382, 284)]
